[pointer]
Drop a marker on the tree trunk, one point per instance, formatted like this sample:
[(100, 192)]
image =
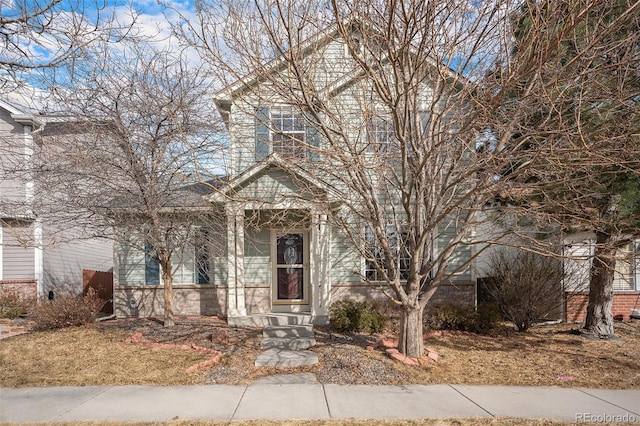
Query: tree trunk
[(167, 280), (410, 341), (599, 319)]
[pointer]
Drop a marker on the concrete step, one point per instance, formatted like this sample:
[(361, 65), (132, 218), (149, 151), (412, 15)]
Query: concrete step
[(264, 320), (285, 358), (288, 343), (288, 331)]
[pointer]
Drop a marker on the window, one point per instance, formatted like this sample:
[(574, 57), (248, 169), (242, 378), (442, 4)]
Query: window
[(375, 254), (288, 132), (627, 267), (151, 265), (191, 267), (202, 258), (381, 134), (355, 44)]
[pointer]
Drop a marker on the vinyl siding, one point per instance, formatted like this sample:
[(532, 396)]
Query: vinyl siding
[(273, 186), (461, 255), (18, 261), (346, 263), (12, 148), (130, 265), (63, 264), (257, 259)]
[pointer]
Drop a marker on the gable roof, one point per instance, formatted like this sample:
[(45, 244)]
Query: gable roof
[(273, 161), (224, 97)]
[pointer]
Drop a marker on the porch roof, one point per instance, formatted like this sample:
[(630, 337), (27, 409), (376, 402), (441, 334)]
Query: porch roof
[(274, 161)]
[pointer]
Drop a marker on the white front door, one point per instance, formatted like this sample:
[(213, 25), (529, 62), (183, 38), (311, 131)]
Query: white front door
[(290, 271)]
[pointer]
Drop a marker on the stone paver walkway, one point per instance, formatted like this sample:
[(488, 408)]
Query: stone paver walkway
[(287, 346)]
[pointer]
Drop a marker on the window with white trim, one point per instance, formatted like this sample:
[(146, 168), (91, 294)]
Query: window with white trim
[(288, 131), (191, 267), (375, 254), (627, 267), (381, 135)]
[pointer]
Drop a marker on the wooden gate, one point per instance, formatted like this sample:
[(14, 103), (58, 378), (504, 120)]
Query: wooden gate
[(102, 283)]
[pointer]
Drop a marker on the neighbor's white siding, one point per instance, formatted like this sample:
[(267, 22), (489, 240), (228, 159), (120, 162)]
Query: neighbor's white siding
[(18, 261), (63, 264), (12, 156)]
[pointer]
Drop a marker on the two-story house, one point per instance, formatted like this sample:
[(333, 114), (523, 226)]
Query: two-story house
[(284, 252), (30, 262)]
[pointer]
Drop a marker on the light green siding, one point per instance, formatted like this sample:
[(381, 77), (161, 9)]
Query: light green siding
[(273, 186), (346, 264), (130, 265), (461, 255), (257, 262)]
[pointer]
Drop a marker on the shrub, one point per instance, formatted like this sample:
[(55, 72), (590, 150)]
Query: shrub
[(525, 286), (12, 305), (463, 318), (347, 315), (65, 311)]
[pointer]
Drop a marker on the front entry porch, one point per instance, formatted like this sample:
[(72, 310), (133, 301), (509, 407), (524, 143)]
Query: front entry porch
[(278, 266)]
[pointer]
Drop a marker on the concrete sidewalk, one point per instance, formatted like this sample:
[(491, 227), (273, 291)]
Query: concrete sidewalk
[(314, 401)]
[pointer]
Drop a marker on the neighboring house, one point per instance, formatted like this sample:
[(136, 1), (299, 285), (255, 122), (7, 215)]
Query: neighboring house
[(579, 249), (29, 262), (282, 253)]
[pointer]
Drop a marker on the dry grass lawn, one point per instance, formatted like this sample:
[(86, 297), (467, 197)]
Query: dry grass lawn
[(90, 356), (544, 356), (97, 355)]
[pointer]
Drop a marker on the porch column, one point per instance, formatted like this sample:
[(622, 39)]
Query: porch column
[(320, 268), (235, 248)]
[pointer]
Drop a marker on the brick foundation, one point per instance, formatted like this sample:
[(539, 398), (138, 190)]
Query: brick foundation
[(623, 302), (27, 289)]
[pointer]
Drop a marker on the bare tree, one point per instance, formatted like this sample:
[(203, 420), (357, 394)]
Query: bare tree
[(43, 35), (398, 126), (131, 157)]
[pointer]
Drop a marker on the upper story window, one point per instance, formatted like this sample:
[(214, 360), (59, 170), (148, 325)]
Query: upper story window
[(381, 135), (355, 44), (288, 132), (285, 131)]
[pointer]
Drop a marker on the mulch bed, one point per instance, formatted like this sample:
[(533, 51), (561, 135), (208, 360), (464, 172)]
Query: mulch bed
[(344, 358)]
